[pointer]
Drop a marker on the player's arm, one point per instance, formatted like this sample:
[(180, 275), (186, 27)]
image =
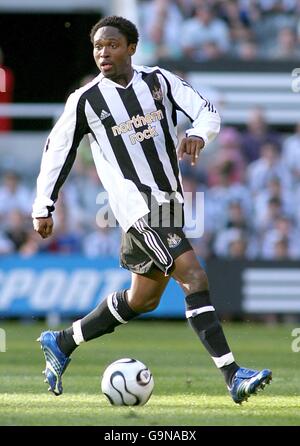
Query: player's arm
[(57, 160), (203, 115)]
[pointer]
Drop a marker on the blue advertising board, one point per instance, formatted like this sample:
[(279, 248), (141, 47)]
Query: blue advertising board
[(69, 286)]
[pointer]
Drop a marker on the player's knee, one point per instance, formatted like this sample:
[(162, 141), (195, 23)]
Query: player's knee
[(195, 281), (151, 304), (144, 305)]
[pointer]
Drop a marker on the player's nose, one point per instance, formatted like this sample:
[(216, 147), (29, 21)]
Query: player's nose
[(105, 51)]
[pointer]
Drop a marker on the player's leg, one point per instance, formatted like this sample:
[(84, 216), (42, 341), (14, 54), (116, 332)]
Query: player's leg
[(203, 318), (117, 309), (201, 314), (146, 290)]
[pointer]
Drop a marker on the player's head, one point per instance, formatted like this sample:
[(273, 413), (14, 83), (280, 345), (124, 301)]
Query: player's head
[(114, 40)]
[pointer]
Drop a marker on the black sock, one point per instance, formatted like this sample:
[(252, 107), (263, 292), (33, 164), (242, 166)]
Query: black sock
[(111, 312), (66, 341), (203, 319), (229, 372)]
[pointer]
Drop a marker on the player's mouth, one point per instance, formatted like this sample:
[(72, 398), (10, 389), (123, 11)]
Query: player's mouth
[(106, 66)]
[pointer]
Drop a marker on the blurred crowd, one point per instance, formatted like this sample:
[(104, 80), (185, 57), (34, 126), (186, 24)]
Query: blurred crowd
[(209, 29), (250, 176), (251, 183)]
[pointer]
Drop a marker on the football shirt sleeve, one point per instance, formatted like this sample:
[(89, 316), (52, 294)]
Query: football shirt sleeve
[(59, 155), (203, 115)]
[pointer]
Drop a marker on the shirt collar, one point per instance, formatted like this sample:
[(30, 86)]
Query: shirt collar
[(108, 82)]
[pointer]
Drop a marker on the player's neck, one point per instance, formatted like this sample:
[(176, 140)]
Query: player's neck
[(124, 78)]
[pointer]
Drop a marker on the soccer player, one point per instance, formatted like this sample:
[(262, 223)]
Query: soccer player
[(129, 115)]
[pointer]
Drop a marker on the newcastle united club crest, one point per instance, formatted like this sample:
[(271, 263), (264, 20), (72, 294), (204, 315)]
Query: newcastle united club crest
[(173, 240), (157, 94)]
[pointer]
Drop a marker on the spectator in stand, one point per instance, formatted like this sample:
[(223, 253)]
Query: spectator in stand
[(268, 166), (237, 28), (284, 228), (236, 217), (247, 50), (291, 155), (86, 189), (238, 23), (13, 195), (6, 92), (281, 249), (237, 231), (67, 239), (16, 229), (231, 243), (273, 190), (265, 221), (286, 47), (104, 241), (219, 197), (32, 245), (228, 150), (256, 134), (161, 21), (6, 245), (237, 249), (272, 17), (204, 36)]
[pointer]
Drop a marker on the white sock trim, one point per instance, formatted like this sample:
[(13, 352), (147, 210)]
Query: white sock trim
[(113, 310), (224, 360), (196, 311), (77, 333)]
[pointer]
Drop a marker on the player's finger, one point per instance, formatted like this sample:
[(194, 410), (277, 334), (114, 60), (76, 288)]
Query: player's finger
[(198, 148), (40, 227), (182, 149), (49, 231), (197, 152), (188, 146), (42, 232), (194, 153)]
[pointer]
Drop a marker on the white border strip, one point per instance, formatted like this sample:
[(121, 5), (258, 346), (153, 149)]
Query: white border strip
[(223, 360), (196, 311), (151, 242), (156, 234), (77, 332), (113, 310)]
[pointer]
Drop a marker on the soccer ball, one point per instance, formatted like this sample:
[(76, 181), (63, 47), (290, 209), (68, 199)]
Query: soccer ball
[(127, 382)]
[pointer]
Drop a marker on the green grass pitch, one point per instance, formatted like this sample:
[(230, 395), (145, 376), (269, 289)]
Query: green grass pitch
[(188, 391)]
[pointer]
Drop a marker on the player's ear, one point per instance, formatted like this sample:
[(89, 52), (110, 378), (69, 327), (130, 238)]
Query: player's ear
[(131, 49)]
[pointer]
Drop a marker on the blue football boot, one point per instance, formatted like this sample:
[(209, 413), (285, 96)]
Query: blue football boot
[(248, 382), (56, 361)]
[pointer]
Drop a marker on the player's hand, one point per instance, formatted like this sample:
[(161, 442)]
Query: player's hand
[(191, 146), (43, 226)]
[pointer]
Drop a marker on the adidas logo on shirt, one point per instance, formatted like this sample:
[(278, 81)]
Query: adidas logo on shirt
[(104, 115)]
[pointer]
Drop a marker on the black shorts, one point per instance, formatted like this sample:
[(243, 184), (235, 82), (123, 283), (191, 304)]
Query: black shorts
[(155, 240)]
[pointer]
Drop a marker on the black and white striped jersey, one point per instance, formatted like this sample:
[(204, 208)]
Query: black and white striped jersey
[(132, 132)]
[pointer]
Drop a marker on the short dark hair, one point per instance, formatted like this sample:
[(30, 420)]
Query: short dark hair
[(127, 28)]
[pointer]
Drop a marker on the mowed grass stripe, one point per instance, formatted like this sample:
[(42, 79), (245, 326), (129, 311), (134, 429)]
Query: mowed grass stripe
[(188, 388)]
